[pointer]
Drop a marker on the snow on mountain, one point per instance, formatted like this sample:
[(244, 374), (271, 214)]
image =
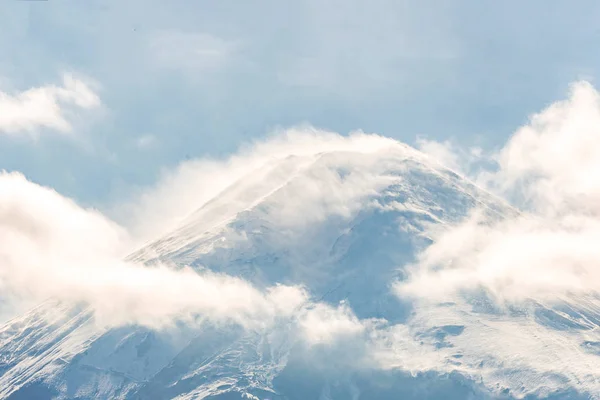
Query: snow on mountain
[(344, 224)]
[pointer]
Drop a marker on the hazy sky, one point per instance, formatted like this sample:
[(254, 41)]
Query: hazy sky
[(99, 99), (183, 79)]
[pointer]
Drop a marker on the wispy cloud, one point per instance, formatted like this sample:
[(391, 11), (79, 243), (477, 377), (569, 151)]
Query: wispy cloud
[(52, 248), (525, 289), (49, 107), (451, 155), (551, 168), (477, 291), (324, 324), (261, 165)]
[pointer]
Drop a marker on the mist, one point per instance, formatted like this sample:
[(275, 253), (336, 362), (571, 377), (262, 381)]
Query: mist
[(515, 283), (52, 248), (542, 257)]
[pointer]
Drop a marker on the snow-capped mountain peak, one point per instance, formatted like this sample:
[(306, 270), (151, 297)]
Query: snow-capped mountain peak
[(341, 225)]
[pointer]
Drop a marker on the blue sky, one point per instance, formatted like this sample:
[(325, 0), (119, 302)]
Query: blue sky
[(186, 79), (118, 105)]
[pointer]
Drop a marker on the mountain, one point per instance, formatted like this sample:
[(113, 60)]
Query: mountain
[(286, 222)]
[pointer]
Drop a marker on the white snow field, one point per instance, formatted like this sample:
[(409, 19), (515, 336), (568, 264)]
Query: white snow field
[(342, 230)]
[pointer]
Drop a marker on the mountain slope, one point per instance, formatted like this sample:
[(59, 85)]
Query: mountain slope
[(342, 224)]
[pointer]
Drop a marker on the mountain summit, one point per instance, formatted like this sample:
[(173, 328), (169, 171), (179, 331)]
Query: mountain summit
[(344, 225)]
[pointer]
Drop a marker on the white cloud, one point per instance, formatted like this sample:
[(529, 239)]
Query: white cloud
[(451, 155), (321, 191), (52, 248), (323, 324), (541, 262), (47, 107), (553, 163), (553, 166), (444, 152)]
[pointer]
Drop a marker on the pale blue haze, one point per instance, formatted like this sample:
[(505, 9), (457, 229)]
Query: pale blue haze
[(224, 72), (311, 264)]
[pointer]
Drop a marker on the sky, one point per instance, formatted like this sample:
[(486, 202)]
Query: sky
[(155, 83), (119, 119)]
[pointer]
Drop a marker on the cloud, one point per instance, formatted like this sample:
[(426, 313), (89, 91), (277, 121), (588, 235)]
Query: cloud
[(525, 289), (324, 324), (256, 171), (451, 155), (481, 292), (445, 152), (47, 107), (552, 168), (52, 248), (552, 164)]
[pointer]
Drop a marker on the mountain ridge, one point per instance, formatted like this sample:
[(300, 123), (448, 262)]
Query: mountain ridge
[(345, 251)]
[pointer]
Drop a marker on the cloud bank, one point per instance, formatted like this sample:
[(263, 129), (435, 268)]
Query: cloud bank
[(551, 169), (483, 286), (50, 107), (50, 247), (152, 211), (526, 289)]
